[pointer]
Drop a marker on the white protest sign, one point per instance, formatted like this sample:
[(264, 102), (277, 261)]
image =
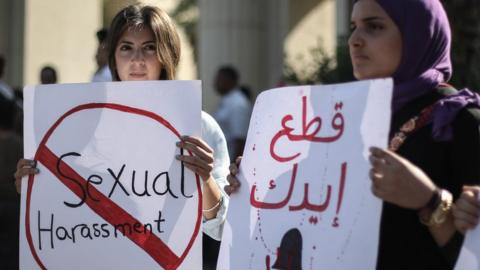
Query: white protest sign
[(305, 199), (470, 252), (110, 193), (469, 255)]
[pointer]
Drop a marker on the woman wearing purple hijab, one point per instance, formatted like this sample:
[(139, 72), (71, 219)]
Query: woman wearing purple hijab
[(434, 130)]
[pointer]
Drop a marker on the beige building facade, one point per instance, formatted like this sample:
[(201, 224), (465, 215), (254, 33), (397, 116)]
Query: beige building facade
[(256, 37), (61, 34)]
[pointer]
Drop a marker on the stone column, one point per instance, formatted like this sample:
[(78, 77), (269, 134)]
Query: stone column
[(343, 20), (12, 14), (248, 34)]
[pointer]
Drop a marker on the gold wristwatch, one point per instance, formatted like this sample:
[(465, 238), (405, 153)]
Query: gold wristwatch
[(437, 210)]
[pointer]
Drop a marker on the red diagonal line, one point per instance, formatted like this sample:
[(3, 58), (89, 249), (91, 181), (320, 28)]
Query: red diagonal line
[(109, 210)]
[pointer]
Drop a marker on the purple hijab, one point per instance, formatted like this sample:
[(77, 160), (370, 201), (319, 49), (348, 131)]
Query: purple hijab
[(425, 63)]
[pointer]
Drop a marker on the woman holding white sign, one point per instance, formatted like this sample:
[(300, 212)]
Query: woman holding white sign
[(433, 126), (144, 45)]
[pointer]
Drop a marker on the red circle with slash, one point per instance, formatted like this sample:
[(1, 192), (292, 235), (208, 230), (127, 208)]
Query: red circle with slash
[(106, 208)]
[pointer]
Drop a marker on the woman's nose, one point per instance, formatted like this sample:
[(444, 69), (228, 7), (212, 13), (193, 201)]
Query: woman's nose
[(355, 39), (138, 56)]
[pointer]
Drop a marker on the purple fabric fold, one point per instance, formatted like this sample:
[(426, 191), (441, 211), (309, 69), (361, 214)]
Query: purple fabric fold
[(446, 109)]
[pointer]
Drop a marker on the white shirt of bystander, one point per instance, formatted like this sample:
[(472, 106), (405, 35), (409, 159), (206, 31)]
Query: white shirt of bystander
[(233, 116)]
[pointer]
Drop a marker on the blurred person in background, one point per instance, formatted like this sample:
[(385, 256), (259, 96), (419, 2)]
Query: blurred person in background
[(18, 119), (247, 91), (5, 89), (48, 75), (234, 110), (11, 150)]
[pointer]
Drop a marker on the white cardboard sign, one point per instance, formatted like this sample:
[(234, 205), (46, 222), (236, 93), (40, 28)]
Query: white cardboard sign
[(470, 252), (305, 199), (110, 193), (469, 255)]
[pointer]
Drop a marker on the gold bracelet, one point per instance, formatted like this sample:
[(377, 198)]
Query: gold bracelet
[(437, 216), (213, 207)]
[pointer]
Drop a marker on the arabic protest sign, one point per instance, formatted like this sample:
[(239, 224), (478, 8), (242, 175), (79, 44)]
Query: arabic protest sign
[(110, 193), (305, 176)]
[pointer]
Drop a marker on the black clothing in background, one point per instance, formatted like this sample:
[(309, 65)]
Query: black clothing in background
[(11, 150)]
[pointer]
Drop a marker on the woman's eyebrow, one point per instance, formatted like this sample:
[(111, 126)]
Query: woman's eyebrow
[(368, 19), (126, 41), (373, 18), (148, 41)]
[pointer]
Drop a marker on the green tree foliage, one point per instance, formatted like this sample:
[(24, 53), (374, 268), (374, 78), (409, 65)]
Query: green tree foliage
[(321, 68)]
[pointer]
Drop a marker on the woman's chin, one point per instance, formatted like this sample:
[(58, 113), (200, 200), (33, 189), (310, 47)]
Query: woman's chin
[(362, 75)]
